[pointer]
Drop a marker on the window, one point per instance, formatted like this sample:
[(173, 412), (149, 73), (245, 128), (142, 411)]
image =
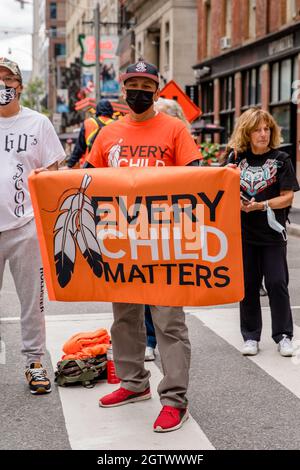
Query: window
[(251, 87), (59, 49), (286, 80), (282, 76), (207, 107), (282, 116), (167, 29), (167, 46), (53, 32), (228, 18), (207, 98), (208, 29), (53, 10), (83, 25), (284, 111), (227, 93), (252, 19), (139, 49), (291, 10), (275, 82), (227, 104)]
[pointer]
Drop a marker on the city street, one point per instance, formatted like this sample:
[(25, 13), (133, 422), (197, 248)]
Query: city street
[(235, 402), (139, 140)]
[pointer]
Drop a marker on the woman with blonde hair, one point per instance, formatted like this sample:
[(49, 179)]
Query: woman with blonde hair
[(268, 182)]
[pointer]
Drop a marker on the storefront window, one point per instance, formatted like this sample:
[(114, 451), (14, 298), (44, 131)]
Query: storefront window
[(286, 80), (227, 107), (275, 82), (282, 115), (282, 75), (281, 107), (251, 88), (207, 97), (227, 93), (226, 121)]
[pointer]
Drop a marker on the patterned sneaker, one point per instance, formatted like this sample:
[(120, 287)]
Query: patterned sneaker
[(170, 419), (122, 397), (37, 379), (285, 347)]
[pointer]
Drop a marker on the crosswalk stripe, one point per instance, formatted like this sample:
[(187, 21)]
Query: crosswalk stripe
[(125, 427), (225, 323)]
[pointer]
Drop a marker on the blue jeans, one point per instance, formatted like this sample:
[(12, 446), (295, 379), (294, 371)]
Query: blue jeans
[(151, 338)]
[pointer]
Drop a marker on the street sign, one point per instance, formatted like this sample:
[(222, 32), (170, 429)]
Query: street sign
[(172, 91)]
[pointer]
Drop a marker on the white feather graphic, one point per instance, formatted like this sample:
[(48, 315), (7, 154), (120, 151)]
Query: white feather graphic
[(76, 224)]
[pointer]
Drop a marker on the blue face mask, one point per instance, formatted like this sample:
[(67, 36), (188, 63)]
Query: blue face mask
[(7, 94), (274, 224)]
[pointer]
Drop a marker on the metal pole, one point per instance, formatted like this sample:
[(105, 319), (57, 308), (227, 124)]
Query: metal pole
[(97, 38)]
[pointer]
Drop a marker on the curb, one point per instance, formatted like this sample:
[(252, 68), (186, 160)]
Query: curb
[(293, 229)]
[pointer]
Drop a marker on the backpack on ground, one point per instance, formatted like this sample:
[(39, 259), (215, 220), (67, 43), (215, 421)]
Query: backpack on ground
[(86, 372)]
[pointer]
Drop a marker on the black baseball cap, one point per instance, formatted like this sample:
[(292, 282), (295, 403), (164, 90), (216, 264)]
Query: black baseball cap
[(141, 69)]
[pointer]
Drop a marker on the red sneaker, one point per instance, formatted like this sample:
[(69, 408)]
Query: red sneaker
[(122, 397), (170, 419)]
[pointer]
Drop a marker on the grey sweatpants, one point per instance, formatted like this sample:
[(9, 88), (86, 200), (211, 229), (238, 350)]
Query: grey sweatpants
[(21, 249), (129, 341)]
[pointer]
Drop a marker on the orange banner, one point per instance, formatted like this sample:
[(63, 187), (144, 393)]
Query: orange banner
[(160, 236)]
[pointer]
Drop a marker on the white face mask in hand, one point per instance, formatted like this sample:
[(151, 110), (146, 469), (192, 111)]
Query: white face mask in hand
[(274, 224)]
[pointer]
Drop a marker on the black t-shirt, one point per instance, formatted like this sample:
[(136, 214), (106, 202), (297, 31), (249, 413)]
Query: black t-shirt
[(263, 177)]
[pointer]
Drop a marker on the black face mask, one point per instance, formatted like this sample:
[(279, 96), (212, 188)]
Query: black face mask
[(139, 100)]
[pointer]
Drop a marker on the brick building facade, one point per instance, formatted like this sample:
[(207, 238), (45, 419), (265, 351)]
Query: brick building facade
[(249, 54)]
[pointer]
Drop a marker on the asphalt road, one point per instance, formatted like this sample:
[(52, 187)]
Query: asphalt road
[(235, 402)]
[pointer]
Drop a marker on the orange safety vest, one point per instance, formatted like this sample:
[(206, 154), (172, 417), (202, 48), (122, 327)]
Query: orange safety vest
[(91, 127)]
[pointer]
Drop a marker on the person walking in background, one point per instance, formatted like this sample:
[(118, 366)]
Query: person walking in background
[(88, 132), (268, 182), (28, 141), (146, 128), (172, 108)]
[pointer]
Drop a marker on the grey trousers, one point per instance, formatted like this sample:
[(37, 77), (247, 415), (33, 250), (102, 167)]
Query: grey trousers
[(21, 249), (129, 341)]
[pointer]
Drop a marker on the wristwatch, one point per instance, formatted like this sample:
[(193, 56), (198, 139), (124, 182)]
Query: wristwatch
[(266, 205)]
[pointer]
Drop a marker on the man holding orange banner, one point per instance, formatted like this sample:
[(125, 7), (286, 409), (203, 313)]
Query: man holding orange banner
[(147, 138)]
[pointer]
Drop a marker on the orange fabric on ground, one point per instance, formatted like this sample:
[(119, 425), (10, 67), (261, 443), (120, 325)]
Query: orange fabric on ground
[(160, 141), (86, 344)]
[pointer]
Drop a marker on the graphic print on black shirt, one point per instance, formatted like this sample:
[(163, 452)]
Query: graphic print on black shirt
[(255, 179), (264, 177)]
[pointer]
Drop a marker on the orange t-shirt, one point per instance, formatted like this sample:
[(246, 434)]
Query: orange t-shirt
[(160, 141)]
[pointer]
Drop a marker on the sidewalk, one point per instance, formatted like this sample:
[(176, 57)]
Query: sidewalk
[(296, 203), (294, 227)]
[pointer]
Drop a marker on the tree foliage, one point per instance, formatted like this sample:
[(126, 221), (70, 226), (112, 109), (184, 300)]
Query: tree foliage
[(33, 94)]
